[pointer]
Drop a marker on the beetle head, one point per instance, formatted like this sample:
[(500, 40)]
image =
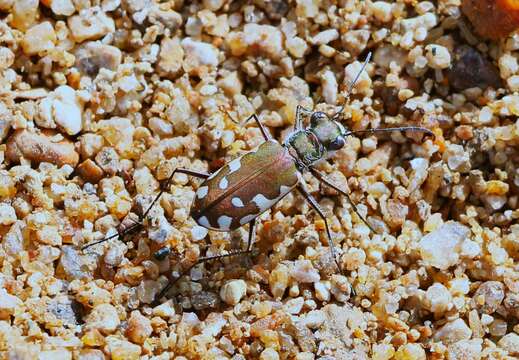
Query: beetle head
[(331, 133)]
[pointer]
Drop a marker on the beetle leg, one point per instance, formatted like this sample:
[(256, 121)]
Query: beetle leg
[(327, 182), (138, 223), (250, 242), (177, 170), (298, 125), (317, 208), (264, 131)]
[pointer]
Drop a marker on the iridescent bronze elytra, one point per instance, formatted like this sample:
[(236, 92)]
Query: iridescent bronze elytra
[(251, 184)]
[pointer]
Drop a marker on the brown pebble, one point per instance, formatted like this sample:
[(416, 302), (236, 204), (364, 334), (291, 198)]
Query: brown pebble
[(472, 69), (90, 171), (39, 148), (464, 132)]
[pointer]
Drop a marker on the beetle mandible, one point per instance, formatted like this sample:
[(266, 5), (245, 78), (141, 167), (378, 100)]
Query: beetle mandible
[(251, 184)]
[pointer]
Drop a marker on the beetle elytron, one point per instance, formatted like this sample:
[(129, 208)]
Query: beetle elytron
[(249, 185)]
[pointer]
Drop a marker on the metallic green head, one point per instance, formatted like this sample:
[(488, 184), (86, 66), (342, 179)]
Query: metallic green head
[(324, 135), (329, 132)]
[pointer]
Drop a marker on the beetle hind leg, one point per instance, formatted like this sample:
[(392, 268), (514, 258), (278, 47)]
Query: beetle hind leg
[(311, 200), (250, 242), (327, 182)]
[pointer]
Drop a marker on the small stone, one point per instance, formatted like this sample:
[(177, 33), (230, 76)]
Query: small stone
[(90, 171), (62, 7), (233, 291), (453, 331), (25, 13), (410, 351), (278, 280), (72, 263), (199, 53), (8, 304), (294, 306), (324, 37), (322, 291), (139, 328), (61, 354), (64, 108), (94, 55), (304, 272), (171, 57), (91, 24), (510, 342), (213, 5), (121, 349), (296, 46), (165, 310), (7, 214), (103, 317), (457, 158), (269, 354), (441, 248), (470, 69), (438, 298), (39, 38), (489, 296), (438, 56), (465, 350), (382, 11), (40, 148), (266, 38), (67, 310)]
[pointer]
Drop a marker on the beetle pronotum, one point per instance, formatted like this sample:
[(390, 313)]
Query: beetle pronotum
[(251, 184)]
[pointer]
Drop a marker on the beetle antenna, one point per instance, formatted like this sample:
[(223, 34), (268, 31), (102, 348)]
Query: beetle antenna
[(224, 109), (352, 84), (402, 128)]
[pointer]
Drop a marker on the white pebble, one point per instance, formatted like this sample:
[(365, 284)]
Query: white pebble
[(233, 291), (441, 248), (438, 56)]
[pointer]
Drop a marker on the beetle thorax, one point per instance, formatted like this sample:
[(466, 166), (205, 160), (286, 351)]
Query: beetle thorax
[(305, 147)]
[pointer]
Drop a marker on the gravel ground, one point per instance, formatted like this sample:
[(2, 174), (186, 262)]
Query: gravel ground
[(102, 99)]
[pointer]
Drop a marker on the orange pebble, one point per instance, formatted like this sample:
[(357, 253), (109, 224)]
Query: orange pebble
[(492, 19)]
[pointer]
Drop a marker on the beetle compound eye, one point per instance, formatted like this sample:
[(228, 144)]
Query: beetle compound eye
[(337, 144)]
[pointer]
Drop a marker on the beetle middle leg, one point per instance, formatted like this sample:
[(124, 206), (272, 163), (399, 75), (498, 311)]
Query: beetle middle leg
[(300, 110), (250, 242), (327, 182), (311, 200)]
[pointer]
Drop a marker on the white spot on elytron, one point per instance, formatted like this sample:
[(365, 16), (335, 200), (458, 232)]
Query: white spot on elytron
[(262, 202), (204, 222), (224, 222), (213, 175), (202, 192), (247, 219), (236, 201), (223, 183), (234, 165)]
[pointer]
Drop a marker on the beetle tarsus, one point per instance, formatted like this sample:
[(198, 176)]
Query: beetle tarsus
[(311, 200)]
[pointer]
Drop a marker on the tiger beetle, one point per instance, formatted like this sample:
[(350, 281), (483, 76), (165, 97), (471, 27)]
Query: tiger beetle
[(243, 189)]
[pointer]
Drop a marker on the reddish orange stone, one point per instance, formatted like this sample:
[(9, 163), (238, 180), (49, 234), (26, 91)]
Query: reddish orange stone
[(492, 19)]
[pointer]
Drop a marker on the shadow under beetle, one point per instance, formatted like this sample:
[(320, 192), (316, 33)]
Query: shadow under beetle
[(251, 184)]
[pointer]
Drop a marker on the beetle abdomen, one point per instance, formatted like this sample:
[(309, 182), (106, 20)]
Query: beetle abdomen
[(245, 188)]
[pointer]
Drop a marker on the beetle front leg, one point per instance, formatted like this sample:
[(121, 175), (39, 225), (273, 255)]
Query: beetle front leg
[(298, 125), (327, 182), (317, 208)]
